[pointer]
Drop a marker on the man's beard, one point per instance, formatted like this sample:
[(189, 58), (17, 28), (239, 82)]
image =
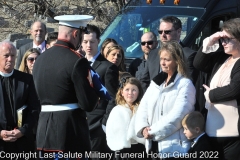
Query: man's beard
[(38, 39), (146, 53)]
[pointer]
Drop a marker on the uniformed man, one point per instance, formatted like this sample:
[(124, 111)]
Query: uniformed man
[(64, 88)]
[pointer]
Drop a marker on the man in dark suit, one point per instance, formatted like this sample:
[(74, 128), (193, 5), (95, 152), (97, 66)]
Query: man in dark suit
[(170, 29), (64, 86), (148, 43), (38, 32), (16, 90), (108, 73)]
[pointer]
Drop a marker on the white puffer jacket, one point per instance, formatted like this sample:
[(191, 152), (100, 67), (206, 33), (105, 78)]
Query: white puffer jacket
[(120, 129), (170, 104)]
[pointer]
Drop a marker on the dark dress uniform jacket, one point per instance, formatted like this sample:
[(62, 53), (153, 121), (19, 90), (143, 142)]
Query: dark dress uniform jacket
[(152, 67), (108, 73), (60, 76), (24, 93)]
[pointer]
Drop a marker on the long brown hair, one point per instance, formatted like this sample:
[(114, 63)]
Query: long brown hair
[(121, 66), (106, 42)]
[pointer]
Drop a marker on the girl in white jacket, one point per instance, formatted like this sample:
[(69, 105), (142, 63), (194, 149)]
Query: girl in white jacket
[(120, 132)]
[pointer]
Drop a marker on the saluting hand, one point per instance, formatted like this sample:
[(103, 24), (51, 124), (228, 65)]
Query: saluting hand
[(216, 36)]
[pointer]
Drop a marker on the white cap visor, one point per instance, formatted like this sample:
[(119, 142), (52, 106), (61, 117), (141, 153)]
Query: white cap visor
[(75, 21)]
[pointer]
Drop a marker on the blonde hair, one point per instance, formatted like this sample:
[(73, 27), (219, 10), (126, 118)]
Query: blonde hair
[(23, 66), (123, 82), (193, 120), (121, 66), (176, 52)]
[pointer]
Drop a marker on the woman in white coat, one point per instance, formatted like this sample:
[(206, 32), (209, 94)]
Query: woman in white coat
[(170, 96)]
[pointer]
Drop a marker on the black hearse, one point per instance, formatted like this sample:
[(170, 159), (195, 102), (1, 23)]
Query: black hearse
[(200, 18)]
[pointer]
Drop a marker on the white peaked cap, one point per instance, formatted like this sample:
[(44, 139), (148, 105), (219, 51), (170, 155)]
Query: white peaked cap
[(74, 21)]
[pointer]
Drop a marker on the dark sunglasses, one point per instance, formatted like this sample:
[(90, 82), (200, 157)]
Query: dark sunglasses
[(165, 32), (31, 59), (148, 43), (225, 40)]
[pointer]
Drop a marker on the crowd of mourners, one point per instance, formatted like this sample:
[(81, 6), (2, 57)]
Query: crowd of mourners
[(173, 103)]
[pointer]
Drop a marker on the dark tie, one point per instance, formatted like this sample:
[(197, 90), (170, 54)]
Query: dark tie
[(192, 143), (90, 62)]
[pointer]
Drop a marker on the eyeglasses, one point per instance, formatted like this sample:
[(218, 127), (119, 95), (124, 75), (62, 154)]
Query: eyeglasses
[(165, 32), (31, 59), (225, 40), (148, 43)]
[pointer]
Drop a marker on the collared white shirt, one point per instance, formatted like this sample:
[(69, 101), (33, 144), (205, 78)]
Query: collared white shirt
[(94, 58), (6, 74), (42, 46)]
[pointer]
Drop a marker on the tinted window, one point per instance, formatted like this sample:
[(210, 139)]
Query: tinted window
[(128, 27)]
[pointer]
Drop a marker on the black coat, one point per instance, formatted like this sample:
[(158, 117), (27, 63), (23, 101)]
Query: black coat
[(140, 69), (152, 67), (60, 77), (133, 67), (24, 94), (202, 149), (109, 74), (210, 63)]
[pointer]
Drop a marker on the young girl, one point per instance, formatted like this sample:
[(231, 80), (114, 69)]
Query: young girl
[(120, 132)]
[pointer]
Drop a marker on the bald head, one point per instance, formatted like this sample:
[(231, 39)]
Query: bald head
[(148, 42), (149, 35), (7, 56), (38, 32), (72, 35), (65, 32)]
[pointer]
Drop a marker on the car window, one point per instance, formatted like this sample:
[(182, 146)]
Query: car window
[(128, 27)]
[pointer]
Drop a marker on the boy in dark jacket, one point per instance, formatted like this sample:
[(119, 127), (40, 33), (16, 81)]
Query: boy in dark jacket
[(193, 124)]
